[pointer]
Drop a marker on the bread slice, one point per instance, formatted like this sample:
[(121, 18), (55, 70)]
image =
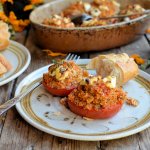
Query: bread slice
[(119, 65), (3, 69), (4, 35), (5, 62)]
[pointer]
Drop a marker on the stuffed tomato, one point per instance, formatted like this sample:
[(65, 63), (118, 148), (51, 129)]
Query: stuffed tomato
[(96, 98), (63, 77)]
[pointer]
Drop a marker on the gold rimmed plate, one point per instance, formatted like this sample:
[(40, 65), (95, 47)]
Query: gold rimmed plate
[(19, 57), (44, 111)]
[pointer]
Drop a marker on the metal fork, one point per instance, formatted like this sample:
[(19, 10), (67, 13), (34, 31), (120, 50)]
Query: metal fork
[(10, 103), (72, 57)]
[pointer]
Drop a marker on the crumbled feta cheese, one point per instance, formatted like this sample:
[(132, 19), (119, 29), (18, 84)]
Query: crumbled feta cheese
[(87, 7), (95, 12), (126, 19), (110, 81)]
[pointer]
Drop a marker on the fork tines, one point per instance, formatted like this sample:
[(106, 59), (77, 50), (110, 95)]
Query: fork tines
[(73, 57)]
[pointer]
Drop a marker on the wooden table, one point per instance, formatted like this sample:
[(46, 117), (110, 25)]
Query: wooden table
[(17, 134)]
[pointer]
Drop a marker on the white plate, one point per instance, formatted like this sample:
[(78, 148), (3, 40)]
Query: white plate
[(44, 112), (19, 57)]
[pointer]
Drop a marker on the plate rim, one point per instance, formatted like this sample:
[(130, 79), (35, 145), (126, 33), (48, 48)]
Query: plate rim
[(26, 52), (78, 137)]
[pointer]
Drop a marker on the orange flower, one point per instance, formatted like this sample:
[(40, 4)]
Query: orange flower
[(3, 17), (3, 1), (138, 59), (51, 53), (28, 7), (12, 16), (36, 1), (148, 30), (18, 25)]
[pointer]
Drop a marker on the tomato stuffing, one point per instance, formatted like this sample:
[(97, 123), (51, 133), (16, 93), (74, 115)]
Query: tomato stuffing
[(63, 77), (96, 98)]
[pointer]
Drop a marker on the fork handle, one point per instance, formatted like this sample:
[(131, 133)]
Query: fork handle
[(10, 103)]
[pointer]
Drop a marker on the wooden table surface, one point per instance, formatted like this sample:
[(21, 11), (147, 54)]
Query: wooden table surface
[(17, 134)]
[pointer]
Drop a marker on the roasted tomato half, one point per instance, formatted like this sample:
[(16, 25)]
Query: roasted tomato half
[(96, 98), (62, 77), (57, 92), (102, 113)]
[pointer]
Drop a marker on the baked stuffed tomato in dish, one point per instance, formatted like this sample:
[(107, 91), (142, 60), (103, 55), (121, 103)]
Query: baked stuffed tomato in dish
[(96, 98), (63, 77)]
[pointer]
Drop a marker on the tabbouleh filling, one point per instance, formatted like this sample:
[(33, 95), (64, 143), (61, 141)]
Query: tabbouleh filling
[(96, 95)]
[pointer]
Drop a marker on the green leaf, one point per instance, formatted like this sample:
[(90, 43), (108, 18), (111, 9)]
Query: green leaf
[(146, 65), (54, 61)]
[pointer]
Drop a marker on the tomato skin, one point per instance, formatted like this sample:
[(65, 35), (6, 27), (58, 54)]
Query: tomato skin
[(102, 113), (58, 92)]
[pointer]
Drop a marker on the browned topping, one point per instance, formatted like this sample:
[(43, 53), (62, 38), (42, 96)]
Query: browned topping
[(132, 9), (97, 95), (63, 101), (97, 9), (107, 7), (58, 21), (94, 22), (74, 9), (64, 75), (132, 102)]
